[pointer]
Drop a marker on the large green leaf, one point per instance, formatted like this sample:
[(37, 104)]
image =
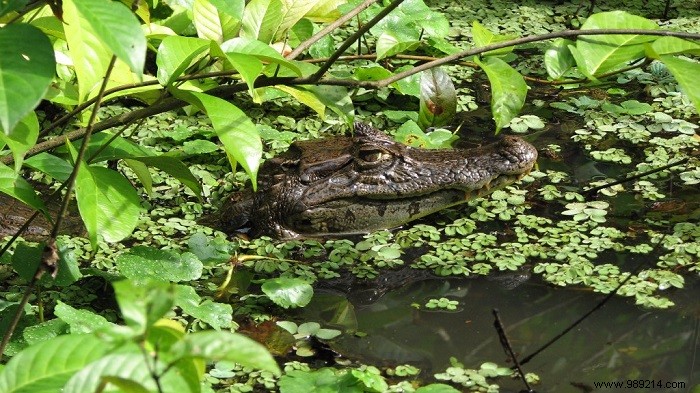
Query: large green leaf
[(602, 53), (15, 186), (217, 315), (222, 345), (508, 90), (175, 54), (235, 130), (57, 168), (127, 370), (27, 67), (397, 39), (116, 27), (686, 73), (45, 367), (305, 97), (160, 265), (558, 59), (292, 12), (81, 321), (212, 23), (175, 168), (22, 138), (674, 46), (142, 301), (438, 99), (288, 292), (108, 204), (484, 37), (90, 57), (260, 50), (260, 19)]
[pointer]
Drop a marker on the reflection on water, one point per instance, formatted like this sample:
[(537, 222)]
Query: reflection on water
[(617, 343)]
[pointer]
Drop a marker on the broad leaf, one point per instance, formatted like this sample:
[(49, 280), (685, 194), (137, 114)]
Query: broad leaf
[(108, 204), (124, 367), (22, 138), (508, 90), (288, 292), (260, 19), (45, 367), (80, 321), (484, 37), (603, 53), (292, 12), (674, 46), (175, 55), (15, 186), (159, 265), (222, 345), (55, 167), (396, 40), (27, 67), (235, 130), (217, 315), (116, 27), (337, 99), (260, 50), (438, 98), (143, 302), (175, 168), (306, 97), (686, 73), (558, 59), (212, 23)]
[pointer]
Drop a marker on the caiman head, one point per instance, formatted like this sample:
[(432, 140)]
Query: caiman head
[(340, 186)]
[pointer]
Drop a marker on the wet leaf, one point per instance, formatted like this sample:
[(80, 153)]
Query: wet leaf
[(217, 315), (27, 67), (160, 265), (438, 99), (288, 292), (508, 90)]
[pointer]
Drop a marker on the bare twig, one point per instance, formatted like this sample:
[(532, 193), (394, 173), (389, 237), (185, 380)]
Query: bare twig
[(505, 343), (328, 29), (353, 38)]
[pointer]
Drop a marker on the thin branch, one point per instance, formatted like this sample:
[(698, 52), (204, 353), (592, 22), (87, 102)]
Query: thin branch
[(505, 343), (328, 29), (353, 38), (533, 38)]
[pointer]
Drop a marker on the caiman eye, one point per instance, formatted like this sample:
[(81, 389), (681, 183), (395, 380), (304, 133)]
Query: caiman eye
[(371, 156)]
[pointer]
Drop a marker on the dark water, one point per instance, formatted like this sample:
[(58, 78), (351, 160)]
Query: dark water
[(619, 342)]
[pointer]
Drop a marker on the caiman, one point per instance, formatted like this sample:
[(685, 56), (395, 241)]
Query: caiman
[(352, 185)]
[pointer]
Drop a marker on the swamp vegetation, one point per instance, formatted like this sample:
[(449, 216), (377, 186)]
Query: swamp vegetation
[(149, 114)]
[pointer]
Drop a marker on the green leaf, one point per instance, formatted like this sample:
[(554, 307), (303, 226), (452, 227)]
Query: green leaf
[(143, 302), (437, 388), (176, 54), (260, 50), (288, 292), (15, 186), (217, 346), (141, 171), (483, 37), (175, 168), (27, 67), (673, 46), (159, 265), (217, 315), (44, 331), (80, 321), (214, 24), (108, 204), (438, 99), (45, 367), (337, 99), (292, 12), (235, 130), (558, 59), (325, 380), (261, 19), (22, 138), (301, 94), (126, 367), (686, 73), (26, 260), (117, 28), (57, 168), (208, 250), (396, 40), (508, 90), (603, 53)]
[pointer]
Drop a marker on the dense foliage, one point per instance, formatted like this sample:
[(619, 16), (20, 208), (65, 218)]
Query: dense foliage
[(227, 60)]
